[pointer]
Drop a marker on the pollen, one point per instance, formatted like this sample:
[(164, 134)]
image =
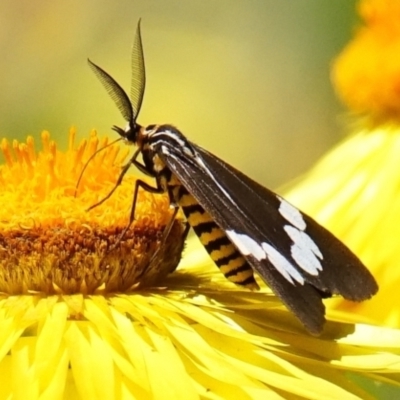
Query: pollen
[(51, 243)]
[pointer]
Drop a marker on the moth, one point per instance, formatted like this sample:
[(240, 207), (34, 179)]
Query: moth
[(244, 227)]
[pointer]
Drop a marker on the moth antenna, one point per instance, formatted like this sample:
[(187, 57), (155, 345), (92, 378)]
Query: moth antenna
[(138, 78), (115, 91), (90, 159)]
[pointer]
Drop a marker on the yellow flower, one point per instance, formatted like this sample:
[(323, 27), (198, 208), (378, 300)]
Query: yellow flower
[(77, 323), (51, 244), (367, 73)]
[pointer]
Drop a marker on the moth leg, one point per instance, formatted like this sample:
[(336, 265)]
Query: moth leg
[(144, 185), (165, 236), (119, 180), (168, 228), (142, 168)]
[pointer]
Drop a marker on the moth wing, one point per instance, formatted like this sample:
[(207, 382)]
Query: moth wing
[(240, 205)]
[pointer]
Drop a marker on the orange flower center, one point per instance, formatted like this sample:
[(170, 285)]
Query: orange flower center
[(50, 243)]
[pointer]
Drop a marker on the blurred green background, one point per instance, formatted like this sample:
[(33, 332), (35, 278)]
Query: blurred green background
[(248, 80)]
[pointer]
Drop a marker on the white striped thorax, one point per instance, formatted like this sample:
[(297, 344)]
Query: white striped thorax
[(162, 139), (166, 136), (144, 136)]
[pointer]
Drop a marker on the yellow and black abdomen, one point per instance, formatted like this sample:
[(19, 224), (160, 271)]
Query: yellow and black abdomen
[(228, 259)]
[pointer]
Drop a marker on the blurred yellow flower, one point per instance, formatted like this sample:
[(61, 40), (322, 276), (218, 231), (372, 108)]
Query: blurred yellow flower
[(77, 323), (355, 192), (367, 73)]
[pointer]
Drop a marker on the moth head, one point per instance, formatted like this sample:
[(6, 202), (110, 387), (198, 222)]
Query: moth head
[(130, 133)]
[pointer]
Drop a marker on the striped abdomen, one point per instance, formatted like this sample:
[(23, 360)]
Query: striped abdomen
[(221, 250)]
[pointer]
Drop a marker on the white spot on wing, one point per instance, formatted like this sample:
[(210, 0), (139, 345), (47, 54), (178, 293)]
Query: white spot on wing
[(291, 214), (282, 265), (246, 245), (304, 251)]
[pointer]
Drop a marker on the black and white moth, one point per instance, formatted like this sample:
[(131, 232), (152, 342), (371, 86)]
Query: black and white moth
[(244, 227)]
